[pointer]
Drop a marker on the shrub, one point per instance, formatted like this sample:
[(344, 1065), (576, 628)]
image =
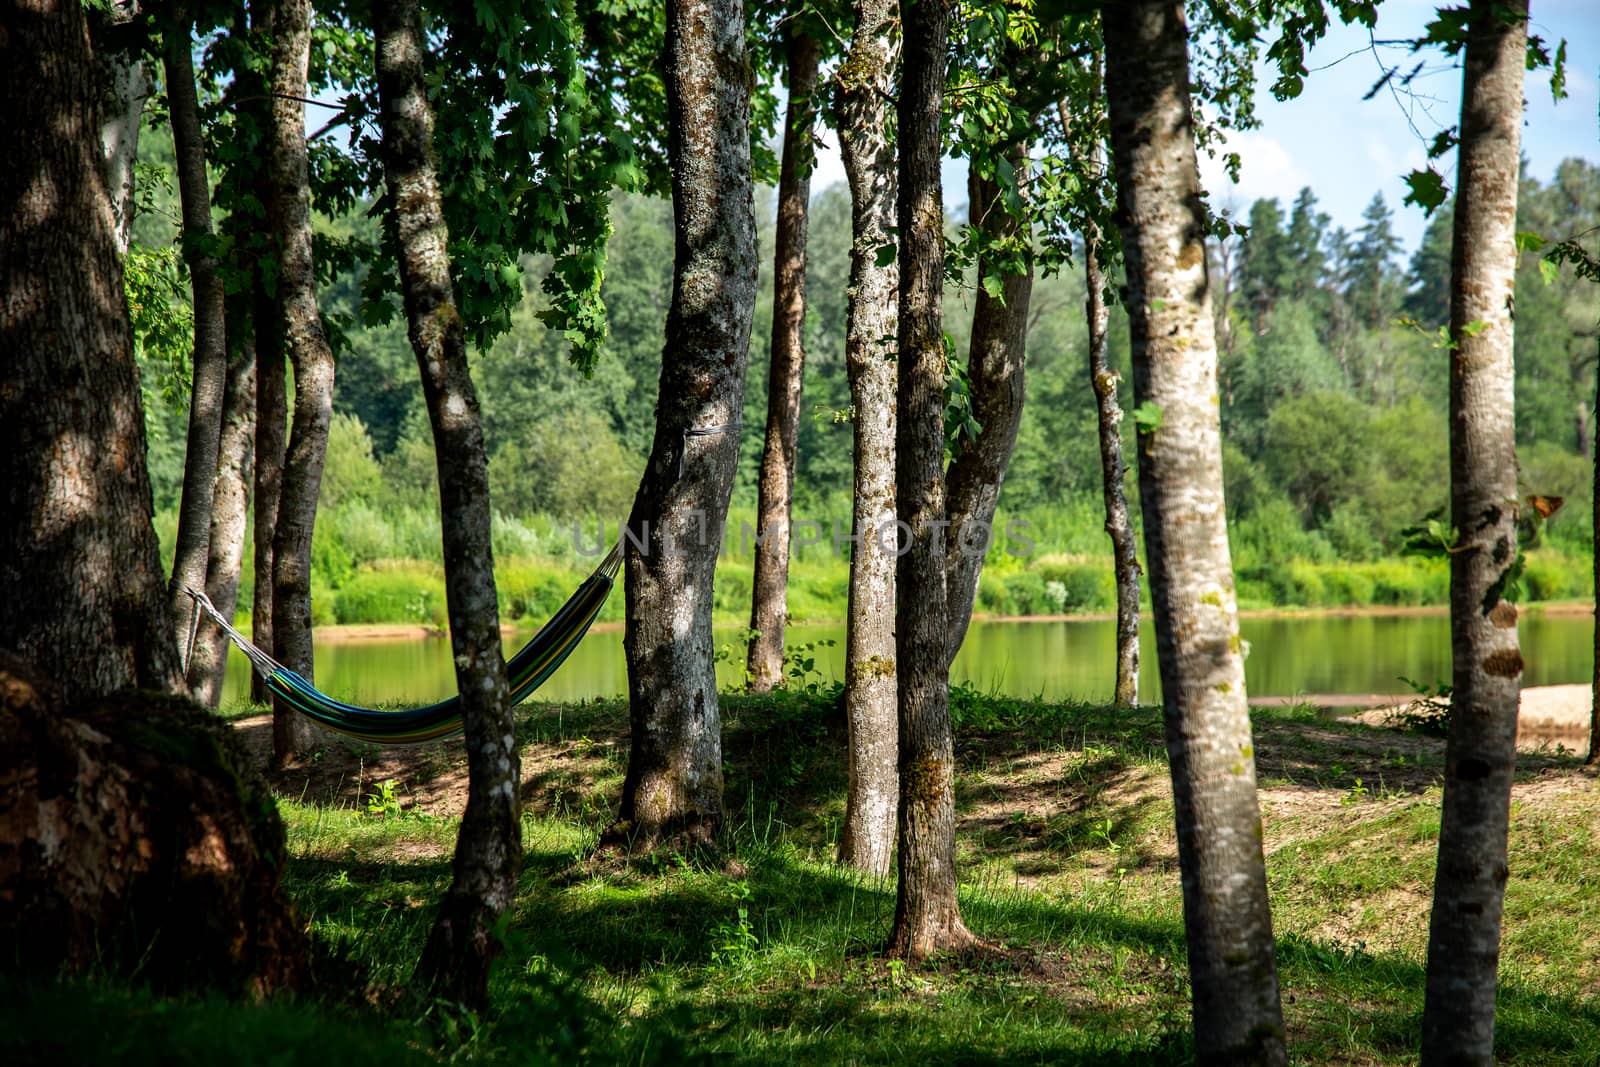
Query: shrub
[(1553, 576), (1347, 584), (393, 591), (1085, 585)]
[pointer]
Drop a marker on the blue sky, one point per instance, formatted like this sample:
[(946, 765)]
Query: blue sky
[(1346, 149)]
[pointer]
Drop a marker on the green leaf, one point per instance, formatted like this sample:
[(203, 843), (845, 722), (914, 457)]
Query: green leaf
[(1549, 271), (1528, 241), (885, 255), (1428, 190), (1147, 417)]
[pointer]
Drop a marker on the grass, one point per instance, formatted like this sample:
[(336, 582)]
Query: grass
[(1068, 870)]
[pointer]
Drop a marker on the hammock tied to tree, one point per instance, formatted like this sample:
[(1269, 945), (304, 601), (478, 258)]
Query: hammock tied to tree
[(526, 671)]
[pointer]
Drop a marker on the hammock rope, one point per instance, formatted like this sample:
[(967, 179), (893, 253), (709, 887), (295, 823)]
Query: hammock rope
[(526, 671)]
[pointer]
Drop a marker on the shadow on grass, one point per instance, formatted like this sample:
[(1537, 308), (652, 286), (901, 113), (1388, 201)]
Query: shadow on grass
[(781, 965)]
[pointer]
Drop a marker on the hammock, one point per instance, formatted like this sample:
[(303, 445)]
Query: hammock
[(526, 671)]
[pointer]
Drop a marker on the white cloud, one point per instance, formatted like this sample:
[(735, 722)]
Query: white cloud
[(1267, 169)]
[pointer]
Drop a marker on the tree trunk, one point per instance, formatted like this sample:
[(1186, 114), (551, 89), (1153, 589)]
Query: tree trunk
[(455, 963), (210, 360), (673, 787), (1119, 525), (769, 607), (1227, 920), (1594, 685), (139, 843), (81, 591), (125, 85), (1103, 380), (271, 390), (927, 917), (230, 508), (272, 418), (866, 84), (308, 350), (995, 373), (1481, 753)]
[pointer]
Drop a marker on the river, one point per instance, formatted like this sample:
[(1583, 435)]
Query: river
[(1057, 660)]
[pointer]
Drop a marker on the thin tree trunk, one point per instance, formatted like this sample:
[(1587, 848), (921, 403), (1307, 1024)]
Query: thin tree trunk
[(455, 963), (995, 374), (126, 85), (673, 787), (308, 350), (866, 84), (81, 591), (1481, 753), (769, 607), (272, 417), (229, 510), (1227, 920), (271, 390), (1594, 685), (210, 360), (1119, 524), (1103, 380), (927, 916)]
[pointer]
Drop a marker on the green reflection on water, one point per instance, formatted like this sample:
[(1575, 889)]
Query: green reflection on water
[(1356, 654)]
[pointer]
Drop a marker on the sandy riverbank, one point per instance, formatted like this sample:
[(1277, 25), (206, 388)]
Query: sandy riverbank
[(1548, 715)]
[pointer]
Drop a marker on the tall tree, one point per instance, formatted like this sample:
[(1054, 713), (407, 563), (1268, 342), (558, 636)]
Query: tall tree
[(927, 915), (865, 86), (1371, 271), (1103, 380), (770, 603), (230, 510), (455, 963), (1227, 919), (1303, 254), (673, 787), (192, 547), (1486, 661), (271, 445), (81, 590), (300, 321), (995, 374)]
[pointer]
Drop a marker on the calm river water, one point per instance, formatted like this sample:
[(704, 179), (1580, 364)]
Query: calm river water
[(1353, 654)]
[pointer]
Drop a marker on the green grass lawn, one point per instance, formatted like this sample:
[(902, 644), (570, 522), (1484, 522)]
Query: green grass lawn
[(771, 955)]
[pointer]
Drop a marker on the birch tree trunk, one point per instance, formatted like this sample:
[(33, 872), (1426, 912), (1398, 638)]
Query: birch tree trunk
[(769, 608), (81, 590), (1227, 921), (673, 788), (298, 316), (995, 373), (210, 359), (230, 508), (126, 86), (1103, 380), (455, 963), (865, 85), (1481, 753), (927, 916)]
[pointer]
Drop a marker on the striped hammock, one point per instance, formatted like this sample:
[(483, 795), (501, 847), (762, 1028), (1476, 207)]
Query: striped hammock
[(526, 671)]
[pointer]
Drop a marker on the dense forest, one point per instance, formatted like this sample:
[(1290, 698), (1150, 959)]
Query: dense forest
[(468, 315), (1332, 414)]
